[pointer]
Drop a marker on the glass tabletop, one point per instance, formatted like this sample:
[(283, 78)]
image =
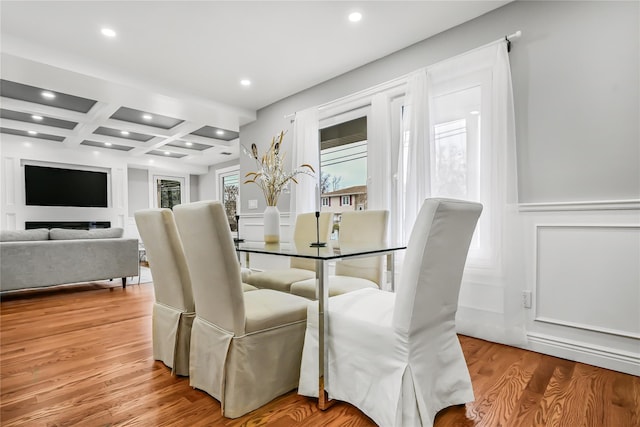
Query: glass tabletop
[(328, 252)]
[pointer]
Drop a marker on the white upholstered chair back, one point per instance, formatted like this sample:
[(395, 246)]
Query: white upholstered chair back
[(212, 260), (434, 263), (171, 279), (358, 229), (304, 233)]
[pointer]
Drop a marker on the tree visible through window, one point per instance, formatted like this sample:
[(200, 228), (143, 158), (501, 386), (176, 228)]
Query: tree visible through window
[(230, 191)]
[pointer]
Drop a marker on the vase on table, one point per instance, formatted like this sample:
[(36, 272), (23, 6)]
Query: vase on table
[(271, 225)]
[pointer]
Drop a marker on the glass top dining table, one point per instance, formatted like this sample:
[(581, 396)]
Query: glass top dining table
[(322, 256)]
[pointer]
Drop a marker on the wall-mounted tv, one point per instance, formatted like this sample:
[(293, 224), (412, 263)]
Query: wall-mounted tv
[(49, 186)]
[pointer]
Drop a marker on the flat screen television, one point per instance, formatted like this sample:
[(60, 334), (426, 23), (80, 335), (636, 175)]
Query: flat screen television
[(49, 186)]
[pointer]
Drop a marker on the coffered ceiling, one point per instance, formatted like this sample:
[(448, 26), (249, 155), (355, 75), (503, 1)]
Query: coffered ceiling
[(181, 63)]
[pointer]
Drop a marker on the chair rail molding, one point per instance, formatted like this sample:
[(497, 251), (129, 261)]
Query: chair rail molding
[(592, 205)]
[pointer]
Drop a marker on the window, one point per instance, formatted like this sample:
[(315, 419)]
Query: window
[(460, 162), (168, 191), (228, 193), (343, 162), (456, 149)]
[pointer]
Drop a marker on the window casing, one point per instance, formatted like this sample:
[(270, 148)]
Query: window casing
[(228, 188)]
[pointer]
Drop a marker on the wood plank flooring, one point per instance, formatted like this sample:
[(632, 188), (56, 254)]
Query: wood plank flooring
[(81, 355)]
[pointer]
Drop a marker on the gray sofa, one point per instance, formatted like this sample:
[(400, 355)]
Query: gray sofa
[(42, 257)]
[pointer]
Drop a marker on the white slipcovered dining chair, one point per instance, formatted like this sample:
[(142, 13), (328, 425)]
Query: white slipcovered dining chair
[(396, 356), (304, 233), (246, 347), (358, 229), (174, 308)]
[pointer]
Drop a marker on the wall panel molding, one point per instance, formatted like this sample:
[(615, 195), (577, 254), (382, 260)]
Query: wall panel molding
[(587, 278), (593, 205), (10, 221), (9, 180), (587, 327)]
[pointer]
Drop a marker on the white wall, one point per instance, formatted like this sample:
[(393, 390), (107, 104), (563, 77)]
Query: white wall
[(576, 73), (14, 212), (131, 183), (138, 189)]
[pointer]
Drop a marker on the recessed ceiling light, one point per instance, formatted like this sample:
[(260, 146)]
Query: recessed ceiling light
[(355, 16), (27, 144), (474, 112), (167, 153), (150, 160), (33, 132), (124, 132), (34, 117), (48, 95), (147, 116), (245, 82), (220, 132), (188, 144), (107, 144), (108, 32)]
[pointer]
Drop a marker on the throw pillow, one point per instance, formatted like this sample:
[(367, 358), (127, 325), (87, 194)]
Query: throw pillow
[(96, 233), (24, 235)]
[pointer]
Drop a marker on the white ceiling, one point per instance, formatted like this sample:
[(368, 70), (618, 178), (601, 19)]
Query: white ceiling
[(185, 59)]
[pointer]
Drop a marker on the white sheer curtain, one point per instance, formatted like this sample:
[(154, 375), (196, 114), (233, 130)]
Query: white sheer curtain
[(379, 153), (305, 149), (459, 141), (414, 164)]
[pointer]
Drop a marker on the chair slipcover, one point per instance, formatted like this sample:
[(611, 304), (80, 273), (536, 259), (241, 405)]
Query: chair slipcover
[(357, 229), (173, 309), (246, 347), (397, 356), (299, 268)]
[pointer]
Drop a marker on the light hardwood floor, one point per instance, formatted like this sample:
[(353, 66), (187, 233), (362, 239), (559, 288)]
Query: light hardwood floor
[(82, 356)]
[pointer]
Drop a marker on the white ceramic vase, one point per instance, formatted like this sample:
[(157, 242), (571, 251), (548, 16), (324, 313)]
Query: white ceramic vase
[(271, 225)]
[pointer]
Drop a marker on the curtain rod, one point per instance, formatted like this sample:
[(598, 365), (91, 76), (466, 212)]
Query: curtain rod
[(398, 80), (515, 35)]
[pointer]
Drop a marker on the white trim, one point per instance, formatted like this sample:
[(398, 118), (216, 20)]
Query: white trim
[(632, 204), (223, 172), (586, 327), (153, 184), (619, 360), (255, 215)]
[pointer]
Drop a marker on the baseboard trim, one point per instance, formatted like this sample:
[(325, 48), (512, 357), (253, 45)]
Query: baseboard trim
[(608, 358)]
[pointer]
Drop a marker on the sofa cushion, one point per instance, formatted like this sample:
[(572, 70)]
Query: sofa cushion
[(24, 235), (96, 233)]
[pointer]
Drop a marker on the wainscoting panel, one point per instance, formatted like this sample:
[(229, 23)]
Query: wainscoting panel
[(10, 221), (252, 230), (589, 277), (586, 286), (481, 296), (117, 190), (8, 179)]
